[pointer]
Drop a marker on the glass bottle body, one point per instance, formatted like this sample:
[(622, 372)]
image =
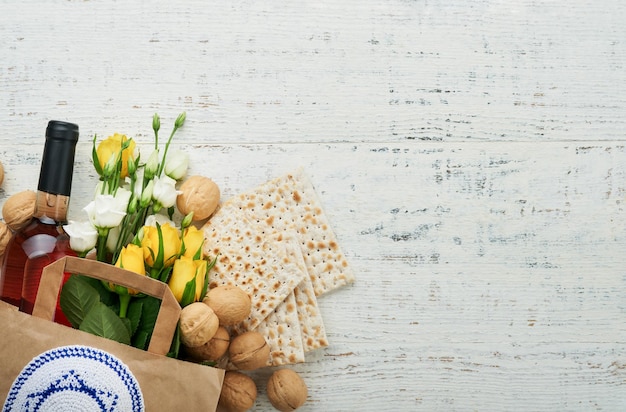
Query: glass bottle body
[(33, 247), (42, 240)]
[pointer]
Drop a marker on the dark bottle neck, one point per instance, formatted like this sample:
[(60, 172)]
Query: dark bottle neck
[(57, 163), (51, 208)]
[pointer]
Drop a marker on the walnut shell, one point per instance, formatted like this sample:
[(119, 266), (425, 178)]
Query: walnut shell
[(230, 303), (5, 236), (198, 324), (286, 390), (1, 174), (19, 208), (213, 349), (238, 392), (249, 351), (200, 195)]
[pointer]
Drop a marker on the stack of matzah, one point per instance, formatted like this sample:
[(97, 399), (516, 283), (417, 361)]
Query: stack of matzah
[(275, 243)]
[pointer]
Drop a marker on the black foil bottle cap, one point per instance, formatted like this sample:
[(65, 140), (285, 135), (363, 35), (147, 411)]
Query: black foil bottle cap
[(57, 163)]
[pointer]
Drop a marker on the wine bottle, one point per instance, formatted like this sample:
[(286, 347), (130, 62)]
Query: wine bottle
[(42, 240)]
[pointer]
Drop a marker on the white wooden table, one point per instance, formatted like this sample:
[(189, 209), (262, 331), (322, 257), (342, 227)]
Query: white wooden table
[(469, 154)]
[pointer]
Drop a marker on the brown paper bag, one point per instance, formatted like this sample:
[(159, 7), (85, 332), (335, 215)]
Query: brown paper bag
[(166, 384)]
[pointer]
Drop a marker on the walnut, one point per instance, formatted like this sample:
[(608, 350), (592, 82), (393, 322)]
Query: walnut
[(199, 195), (249, 351), (1, 174), (286, 390), (230, 303), (238, 392), (213, 349), (198, 324), (5, 236), (19, 208)]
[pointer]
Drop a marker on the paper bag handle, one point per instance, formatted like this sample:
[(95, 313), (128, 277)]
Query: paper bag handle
[(52, 278)]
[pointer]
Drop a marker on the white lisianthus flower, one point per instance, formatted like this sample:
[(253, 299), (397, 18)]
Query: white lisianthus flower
[(177, 164), (146, 195), (137, 188), (83, 236), (101, 187), (152, 165), (164, 192), (107, 211), (112, 238), (160, 218)]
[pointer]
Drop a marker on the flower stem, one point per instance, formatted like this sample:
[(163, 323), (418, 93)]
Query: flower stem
[(180, 120), (124, 302), (156, 125), (167, 146), (102, 245)]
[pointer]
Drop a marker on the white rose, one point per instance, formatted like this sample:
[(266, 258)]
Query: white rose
[(164, 192), (83, 236), (177, 164), (107, 211)]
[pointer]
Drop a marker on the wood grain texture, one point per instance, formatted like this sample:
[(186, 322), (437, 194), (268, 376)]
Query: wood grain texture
[(471, 157)]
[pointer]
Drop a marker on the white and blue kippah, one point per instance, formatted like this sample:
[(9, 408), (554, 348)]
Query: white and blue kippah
[(74, 378)]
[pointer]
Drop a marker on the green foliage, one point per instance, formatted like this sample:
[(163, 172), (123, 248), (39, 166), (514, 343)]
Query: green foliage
[(189, 294), (91, 307), (77, 299), (149, 311), (102, 321), (175, 348), (135, 309)]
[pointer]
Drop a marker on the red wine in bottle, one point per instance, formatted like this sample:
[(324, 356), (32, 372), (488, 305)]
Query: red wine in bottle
[(42, 240)]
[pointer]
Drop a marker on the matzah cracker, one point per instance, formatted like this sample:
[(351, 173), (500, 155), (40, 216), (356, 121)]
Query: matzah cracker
[(311, 322), (251, 261), (282, 329), (290, 203), (296, 326), (283, 333)]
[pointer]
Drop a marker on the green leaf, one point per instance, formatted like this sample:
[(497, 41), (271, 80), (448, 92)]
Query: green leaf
[(149, 313), (164, 274), (141, 339), (189, 294), (78, 297), (160, 259), (134, 314), (102, 321), (106, 296), (212, 263), (175, 347), (127, 325), (205, 287), (94, 158)]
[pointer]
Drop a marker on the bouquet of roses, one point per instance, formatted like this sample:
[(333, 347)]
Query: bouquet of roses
[(132, 223)]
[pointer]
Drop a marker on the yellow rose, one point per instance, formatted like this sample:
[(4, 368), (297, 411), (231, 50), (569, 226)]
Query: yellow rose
[(201, 272), (131, 258), (193, 239), (111, 146), (150, 245), (185, 269)]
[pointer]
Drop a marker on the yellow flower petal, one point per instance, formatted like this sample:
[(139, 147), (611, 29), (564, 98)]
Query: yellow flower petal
[(184, 270), (111, 146), (131, 258), (150, 244), (193, 240)]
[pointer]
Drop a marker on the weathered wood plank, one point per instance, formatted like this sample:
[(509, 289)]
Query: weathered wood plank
[(360, 71)]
